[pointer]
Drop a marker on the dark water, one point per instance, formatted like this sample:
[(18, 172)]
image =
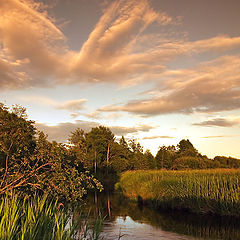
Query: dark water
[(127, 218)]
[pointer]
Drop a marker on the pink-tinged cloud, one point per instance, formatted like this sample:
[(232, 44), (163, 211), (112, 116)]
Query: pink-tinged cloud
[(73, 105), (107, 54), (35, 45), (11, 79), (212, 87), (219, 122), (156, 137), (221, 136)]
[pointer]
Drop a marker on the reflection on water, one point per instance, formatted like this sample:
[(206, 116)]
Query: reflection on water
[(127, 218)]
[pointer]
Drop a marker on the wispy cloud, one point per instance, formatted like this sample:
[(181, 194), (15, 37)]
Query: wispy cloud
[(44, 59), (73, 105), (219, 122), (211, 87), (221, 136), (156, 137), (38, 99), (28, 34)]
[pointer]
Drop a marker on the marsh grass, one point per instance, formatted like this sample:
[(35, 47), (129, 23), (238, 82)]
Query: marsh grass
[(40, 218), (205, 191)]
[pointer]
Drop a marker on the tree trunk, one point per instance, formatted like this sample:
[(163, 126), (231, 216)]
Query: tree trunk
[(108, 151), (162, 158), (95, 163)]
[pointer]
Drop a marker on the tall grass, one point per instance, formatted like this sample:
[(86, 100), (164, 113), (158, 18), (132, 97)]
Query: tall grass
[(206, 191), (39, 218)]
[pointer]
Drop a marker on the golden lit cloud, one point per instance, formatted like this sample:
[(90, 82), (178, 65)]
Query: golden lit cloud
[(73, 105), (34, 51), (219, 122), (211, 87)]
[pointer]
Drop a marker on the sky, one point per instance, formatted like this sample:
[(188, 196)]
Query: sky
[(155, 70)]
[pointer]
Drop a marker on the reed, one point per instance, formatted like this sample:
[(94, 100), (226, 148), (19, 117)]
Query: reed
[(205, 191), (39, 218)]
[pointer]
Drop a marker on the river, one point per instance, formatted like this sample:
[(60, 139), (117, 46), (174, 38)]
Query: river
[(131, 221)]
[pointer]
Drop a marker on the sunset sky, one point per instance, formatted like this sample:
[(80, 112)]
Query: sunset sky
[(158, 71)]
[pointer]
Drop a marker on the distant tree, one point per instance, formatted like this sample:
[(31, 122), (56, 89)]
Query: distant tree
[(150, 160), (185, 148), (189, 162), (99, 141), (165, 157), (121, 155), (227, 162), (78, 145)]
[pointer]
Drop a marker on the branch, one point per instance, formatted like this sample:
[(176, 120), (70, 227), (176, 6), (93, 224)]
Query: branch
[(26, 177)]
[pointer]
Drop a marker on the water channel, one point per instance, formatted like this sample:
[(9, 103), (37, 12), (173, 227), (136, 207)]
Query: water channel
[(132, 221)]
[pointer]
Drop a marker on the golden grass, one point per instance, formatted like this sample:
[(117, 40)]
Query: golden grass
[(214, 191)]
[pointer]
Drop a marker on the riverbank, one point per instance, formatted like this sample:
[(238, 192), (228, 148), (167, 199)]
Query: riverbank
[(200, 191)]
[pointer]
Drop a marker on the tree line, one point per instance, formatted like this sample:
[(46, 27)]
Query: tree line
[(29, 162), (99, 150)]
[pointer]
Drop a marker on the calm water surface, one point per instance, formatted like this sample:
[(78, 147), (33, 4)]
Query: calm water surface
[(127, 218)]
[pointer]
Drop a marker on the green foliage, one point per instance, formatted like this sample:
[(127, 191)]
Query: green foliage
[(189, 162), (227, 162), (206, 191), (30, 163), (39, 218), (165, 157), (185, 148)]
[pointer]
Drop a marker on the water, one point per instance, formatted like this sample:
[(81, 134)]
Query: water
[(131, 221)]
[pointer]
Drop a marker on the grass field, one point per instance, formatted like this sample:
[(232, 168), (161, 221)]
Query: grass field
[(202, 191)]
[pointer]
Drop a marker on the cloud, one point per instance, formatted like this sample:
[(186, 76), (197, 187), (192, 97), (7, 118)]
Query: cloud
[(109, 55), (38, 99), (219, 122), (211, 87), (61, 131), (9, 78), (221, 136), (45, 52), (156, 137), (29, 37), (118, 130), (73, 105)]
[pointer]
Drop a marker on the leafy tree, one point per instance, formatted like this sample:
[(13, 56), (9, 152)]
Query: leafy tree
[(185, 148), (165, 157), (99, 141), (17, 142), (150, 160), (79, 147), (30, 163), (189, 162), (227, 162)]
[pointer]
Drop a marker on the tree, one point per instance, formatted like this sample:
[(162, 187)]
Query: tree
[(99, 141), (227, 162), (165, 157), (150, 160), (189, 162), (17, 140), (30, 163), (79, 147), (185, 148)]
